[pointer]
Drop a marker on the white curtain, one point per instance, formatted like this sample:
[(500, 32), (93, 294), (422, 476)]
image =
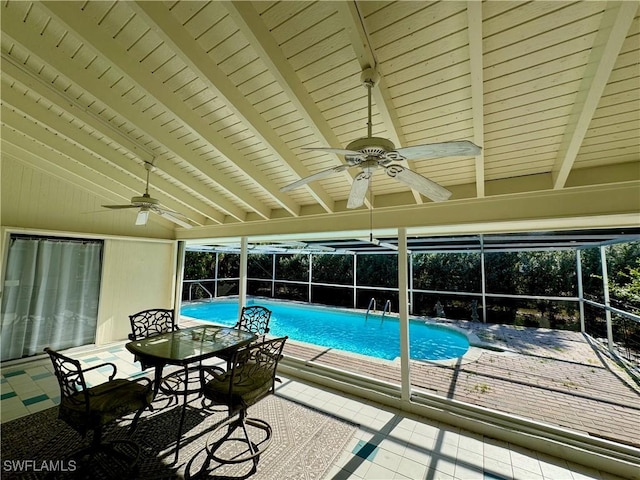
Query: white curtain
[(50, 298)]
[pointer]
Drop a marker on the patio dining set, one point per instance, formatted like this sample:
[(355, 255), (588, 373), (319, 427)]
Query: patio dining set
[(247, 375)]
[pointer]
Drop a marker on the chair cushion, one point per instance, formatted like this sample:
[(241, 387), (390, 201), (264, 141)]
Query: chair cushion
[(107, 402), (245, 392)]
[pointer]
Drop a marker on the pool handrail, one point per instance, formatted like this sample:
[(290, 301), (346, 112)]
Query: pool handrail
[(202, 287), (372, 301), (385, 309)]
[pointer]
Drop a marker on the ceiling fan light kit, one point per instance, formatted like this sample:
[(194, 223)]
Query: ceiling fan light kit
[(370, 153), (143, 216)]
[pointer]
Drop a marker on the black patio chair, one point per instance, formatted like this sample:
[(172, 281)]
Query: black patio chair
[(254, 319), (155, 321), (87, 408), (251, 378)]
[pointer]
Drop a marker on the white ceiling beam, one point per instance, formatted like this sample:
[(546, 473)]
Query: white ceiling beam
[(614, 26), (90, 142), (81, 77), (578, 208), (63, 167), (474, 19), (41, 133), (35, 83), (350, 16), (37, 163), (70, 15), (254, 30), (166, 26), (53, 168)]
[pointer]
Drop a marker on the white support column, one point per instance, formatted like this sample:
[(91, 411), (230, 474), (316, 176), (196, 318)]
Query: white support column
[(310, 277), (484, 281), (355, 280), (215, 277), (273, 275), (403, 300), (580, 290), (411, 283), (179, 278), (605, 286), (242, 291)]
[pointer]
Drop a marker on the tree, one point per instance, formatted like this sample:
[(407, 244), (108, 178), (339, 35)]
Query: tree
[(547, 273), (377, 270), (259, 265), (199, 265), (592, 274), (623, 268), (228, 265), (501, 272), (292, 267), (447, 271), (337, 269)]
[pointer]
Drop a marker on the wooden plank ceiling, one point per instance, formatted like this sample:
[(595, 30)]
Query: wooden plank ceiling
[(223, 97)]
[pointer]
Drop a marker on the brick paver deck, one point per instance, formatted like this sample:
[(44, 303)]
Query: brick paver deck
[(549, 376)]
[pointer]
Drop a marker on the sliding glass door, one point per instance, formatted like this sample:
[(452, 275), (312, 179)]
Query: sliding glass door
[(50, 297)]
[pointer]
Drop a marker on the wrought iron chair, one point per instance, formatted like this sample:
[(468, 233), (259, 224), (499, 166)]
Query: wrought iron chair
[(155, 321), (87, 408), (254, 319), (251, 378)]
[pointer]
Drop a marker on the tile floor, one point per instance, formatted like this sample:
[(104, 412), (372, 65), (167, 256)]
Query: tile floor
[(387, 445)]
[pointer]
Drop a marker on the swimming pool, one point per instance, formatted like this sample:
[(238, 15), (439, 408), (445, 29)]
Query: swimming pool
[(342, 329)]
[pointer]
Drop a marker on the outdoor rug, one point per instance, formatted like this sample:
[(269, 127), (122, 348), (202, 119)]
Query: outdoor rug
[(304, 445)]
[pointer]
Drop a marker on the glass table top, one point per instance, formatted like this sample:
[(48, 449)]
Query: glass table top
[(190, 344)]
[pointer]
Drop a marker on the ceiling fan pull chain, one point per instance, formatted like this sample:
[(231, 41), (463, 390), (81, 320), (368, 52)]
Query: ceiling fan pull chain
[(369, 84), (370, 211)]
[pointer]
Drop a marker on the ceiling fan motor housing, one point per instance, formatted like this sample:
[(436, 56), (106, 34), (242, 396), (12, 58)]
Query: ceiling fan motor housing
[(374, 148), (144, 201)]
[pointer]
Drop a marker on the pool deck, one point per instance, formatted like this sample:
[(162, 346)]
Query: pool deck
[(549, 376)]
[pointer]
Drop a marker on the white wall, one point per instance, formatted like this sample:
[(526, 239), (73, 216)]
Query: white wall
[(136, 275)]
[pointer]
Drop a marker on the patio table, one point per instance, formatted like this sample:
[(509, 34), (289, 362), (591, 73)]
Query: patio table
[(184, 347)]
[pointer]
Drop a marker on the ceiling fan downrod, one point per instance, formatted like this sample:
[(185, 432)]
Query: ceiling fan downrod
[(149, 167), (368, 78), (372, 147)]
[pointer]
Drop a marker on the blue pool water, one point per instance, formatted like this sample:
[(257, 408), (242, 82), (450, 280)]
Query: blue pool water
[(343, 329)]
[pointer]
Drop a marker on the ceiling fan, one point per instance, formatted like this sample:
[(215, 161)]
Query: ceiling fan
[(147, 204), (370, 153)]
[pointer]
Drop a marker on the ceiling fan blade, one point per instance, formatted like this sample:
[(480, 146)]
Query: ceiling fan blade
[(115, 207), (160, 210), (359, 189), (339, 151), (462, 148), (378, 243), (172, 217), (315, 176), (143, 216), (428, 188)]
